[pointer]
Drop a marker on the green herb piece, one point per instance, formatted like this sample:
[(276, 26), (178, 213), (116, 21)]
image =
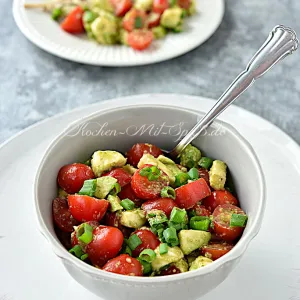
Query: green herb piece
[(170, 236), (193, 173), (205, 162), (168, 192), (200, 223), (85, 233), (163, 248), (238, 220), (181, 179), (127, 204), (88, 188), (147, 255), (134, 241)]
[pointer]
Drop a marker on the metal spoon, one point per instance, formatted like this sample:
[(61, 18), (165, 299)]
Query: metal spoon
[(281, 42)]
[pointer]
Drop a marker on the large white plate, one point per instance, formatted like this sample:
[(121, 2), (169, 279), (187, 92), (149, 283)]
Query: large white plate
[(39, 28), (270, 269)]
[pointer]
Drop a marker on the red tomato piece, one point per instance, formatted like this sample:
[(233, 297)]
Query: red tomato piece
[(164, 204), (122, 7), (62, 215), (86, 208), (153, 20), (140, 39), (218, 198), (203, 173), (221, 222), (189, 194), (113, 219), (121, 175), (185, 4), (149, 241), (216, 250), (200, 210), (71, 177), (64, 237), (146, 189), (138, 150), (127, 192), (129, 21), (106, 244), (159, 6), (170, 271), (73, 22), (125, 265), (74, 235)]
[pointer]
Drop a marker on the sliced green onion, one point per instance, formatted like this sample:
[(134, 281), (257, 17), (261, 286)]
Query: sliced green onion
[(147, 267), (56, 13), (193, 173), (163, 248), (88, 188), (138, 23), (147, 255), (134, 241), (178, 215), (126, 250), (181, 179), (177, 226), (184, 13), (77, 251), (200, 223), (238, 220), (89, 16), (127, 204), (172, 2), (168, 192), (152, 173), (158, 218), (116, 188), (84, 256), (205, 162), (87, 162), (85, 233), (160, 233), (170, 236), (192, 213)]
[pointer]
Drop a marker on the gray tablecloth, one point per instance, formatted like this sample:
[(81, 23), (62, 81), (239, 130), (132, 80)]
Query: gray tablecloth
[(35, 85)]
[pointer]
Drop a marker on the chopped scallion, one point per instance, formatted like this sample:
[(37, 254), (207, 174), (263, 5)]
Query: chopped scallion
[(56, 13), (85, 233), (116, 188), (170, 236), (77, 251), (205, 162), (158, 218), (200, 223), (147, 267), (134, 241), (88, 188), (138, 22), (163, 248), (168, 192), (238, 220), (84, 256), (178, 215), (193, 173), (152, 173), (181, 179), (147, 255), (127, 204)]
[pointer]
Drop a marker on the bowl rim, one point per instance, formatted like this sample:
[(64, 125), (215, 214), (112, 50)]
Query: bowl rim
[(235, 253)]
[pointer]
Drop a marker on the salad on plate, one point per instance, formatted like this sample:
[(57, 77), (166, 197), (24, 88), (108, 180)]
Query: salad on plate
[(134, 23), (144, 214)]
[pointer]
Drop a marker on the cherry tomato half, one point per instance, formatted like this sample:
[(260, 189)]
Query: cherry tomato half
[(71, 177), (125, 265), (129, 21), (106, 244), (86, 208), (200, 210), (170, 271), (216, 250), (73, 22), (140, 39), (159, 6), (185, 4), (218, 198), (122, 7), (121, 175), (148, 189), (113, 219), (203, 173), (153, 20), (149, 241), (164, 204), (62, 215), (221, 222), (189, 194), (138, 150)]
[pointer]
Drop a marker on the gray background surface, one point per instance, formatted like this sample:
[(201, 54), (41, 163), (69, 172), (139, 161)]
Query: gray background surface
[(35, 85)]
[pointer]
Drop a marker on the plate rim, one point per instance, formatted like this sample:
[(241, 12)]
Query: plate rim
[(16, 11)]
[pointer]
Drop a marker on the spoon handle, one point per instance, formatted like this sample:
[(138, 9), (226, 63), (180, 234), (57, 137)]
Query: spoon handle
[(281, 42)]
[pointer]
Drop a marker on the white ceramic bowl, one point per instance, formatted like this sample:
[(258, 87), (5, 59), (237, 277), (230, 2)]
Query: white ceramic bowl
[(119, 129)]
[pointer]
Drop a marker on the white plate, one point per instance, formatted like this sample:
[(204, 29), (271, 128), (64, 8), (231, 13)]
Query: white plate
[(270, 269), (40, 29)]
